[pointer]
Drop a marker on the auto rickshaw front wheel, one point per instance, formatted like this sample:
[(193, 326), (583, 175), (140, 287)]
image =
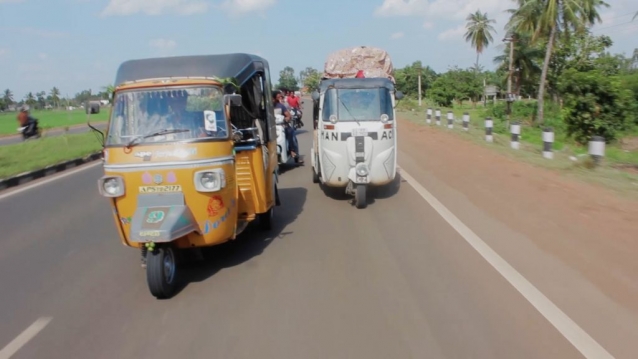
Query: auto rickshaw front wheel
[(161, 271), (360, 199)]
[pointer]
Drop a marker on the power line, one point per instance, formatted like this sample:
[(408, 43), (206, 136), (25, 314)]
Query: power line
[(609, 27)]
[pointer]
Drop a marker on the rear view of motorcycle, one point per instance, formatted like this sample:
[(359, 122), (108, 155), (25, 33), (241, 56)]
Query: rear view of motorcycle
[(296, 117)]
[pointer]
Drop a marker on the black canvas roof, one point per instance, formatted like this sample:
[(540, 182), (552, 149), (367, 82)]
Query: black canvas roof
[(239, 65), (356, 83)]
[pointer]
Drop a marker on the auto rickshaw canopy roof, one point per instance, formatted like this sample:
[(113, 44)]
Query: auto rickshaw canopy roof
[(356, 83), (240, 66)]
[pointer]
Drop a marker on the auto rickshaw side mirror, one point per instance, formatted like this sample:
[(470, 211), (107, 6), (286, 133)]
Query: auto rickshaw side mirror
[(232, 100), (315, 95), (398, 95)]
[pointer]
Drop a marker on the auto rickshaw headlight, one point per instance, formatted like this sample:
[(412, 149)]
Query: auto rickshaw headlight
[(361, 169), (385, 118), (210, 180), (333, 118), (111, 186)]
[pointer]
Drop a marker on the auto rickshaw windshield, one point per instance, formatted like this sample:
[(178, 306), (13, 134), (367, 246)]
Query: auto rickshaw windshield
[(185, 113), (357, 104)]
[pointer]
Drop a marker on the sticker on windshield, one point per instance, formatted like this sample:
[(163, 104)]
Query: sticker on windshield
[(210, 121)]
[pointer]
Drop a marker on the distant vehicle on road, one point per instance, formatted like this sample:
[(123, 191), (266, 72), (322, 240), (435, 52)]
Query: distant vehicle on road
[(354, 142)]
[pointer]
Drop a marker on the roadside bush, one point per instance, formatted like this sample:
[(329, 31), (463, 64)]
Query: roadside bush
[(594, 104), (525, 111)]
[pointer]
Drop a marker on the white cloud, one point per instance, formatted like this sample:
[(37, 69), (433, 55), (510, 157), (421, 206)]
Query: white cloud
[(154, 7), (10, 1), (455, 33), (3, 52), (397, 35), (43, 56), (245, 6), (428, 25), (163, 44), (453, 10)]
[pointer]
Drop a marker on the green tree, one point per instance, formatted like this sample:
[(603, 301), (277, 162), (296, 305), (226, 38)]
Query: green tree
[(41, 98), (310, 78), (7, 97), (108, 91), (287, 79), (407, 78), (479, 32), (30, 100), (594, 104), (55, 96), (526, 63), (456, 85), (553, 18)]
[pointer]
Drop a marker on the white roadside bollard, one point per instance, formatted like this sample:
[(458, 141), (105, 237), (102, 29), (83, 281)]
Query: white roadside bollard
[(466, 121), (428, 116), (437, 116), (548, 141), (488, 129), (450, 120), (515, 129), (597, 149)]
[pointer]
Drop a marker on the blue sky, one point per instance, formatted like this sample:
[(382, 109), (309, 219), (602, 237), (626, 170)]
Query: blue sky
[(78, 44)]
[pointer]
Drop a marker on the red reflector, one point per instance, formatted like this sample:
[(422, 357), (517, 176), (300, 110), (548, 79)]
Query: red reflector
[(328, 127), (387, 126)]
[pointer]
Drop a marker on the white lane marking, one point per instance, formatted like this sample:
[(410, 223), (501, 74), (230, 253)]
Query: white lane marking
[(24, 337), (585, 344), (49, 180)]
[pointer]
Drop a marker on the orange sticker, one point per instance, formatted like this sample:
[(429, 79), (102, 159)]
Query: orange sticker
[(215, 205)]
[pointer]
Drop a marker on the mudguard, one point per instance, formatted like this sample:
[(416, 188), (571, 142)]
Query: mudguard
[(161, 218)]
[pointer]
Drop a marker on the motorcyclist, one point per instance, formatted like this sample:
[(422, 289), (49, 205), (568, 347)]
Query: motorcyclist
[(28, 125), (291, 136), (293, 101)]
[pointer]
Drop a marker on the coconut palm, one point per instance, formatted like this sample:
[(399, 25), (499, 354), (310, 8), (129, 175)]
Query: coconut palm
[(527, 59), (552, 18), (8, 97), (479, 32)]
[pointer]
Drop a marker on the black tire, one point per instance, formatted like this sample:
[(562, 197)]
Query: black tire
[(315, 176), (265, 219), (360, 199), (161, 272)]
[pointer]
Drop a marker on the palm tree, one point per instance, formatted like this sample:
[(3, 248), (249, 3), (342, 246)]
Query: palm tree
[(8, 97), (526, 60), (479, 32), (55, 96), (553, 18)]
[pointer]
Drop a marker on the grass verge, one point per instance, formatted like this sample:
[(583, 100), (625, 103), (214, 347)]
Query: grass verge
[(37, 154), (50, 119), (618, 171)]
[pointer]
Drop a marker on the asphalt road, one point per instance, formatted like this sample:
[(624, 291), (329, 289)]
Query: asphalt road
[(9, 140), (395, 280)]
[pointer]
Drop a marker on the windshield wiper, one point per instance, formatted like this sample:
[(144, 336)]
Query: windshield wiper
[(349, 113), (158, 133)]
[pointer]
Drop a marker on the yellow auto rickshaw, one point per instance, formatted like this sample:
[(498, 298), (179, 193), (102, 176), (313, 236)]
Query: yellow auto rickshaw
[(190, 156)]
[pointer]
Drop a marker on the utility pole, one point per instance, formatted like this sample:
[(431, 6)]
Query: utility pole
[(420, 68), (510, 96)]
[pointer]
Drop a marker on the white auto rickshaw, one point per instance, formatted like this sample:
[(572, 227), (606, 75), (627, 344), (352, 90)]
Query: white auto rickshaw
[(355, 144)]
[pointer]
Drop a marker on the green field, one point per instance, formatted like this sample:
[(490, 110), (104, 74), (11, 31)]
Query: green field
[(37, 154), (50, 119)]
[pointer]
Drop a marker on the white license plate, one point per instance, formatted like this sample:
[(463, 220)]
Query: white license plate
[(359, 132), (362, 179), (359, 154)]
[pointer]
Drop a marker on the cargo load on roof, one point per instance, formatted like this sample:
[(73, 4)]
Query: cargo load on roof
[(347, 63)]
